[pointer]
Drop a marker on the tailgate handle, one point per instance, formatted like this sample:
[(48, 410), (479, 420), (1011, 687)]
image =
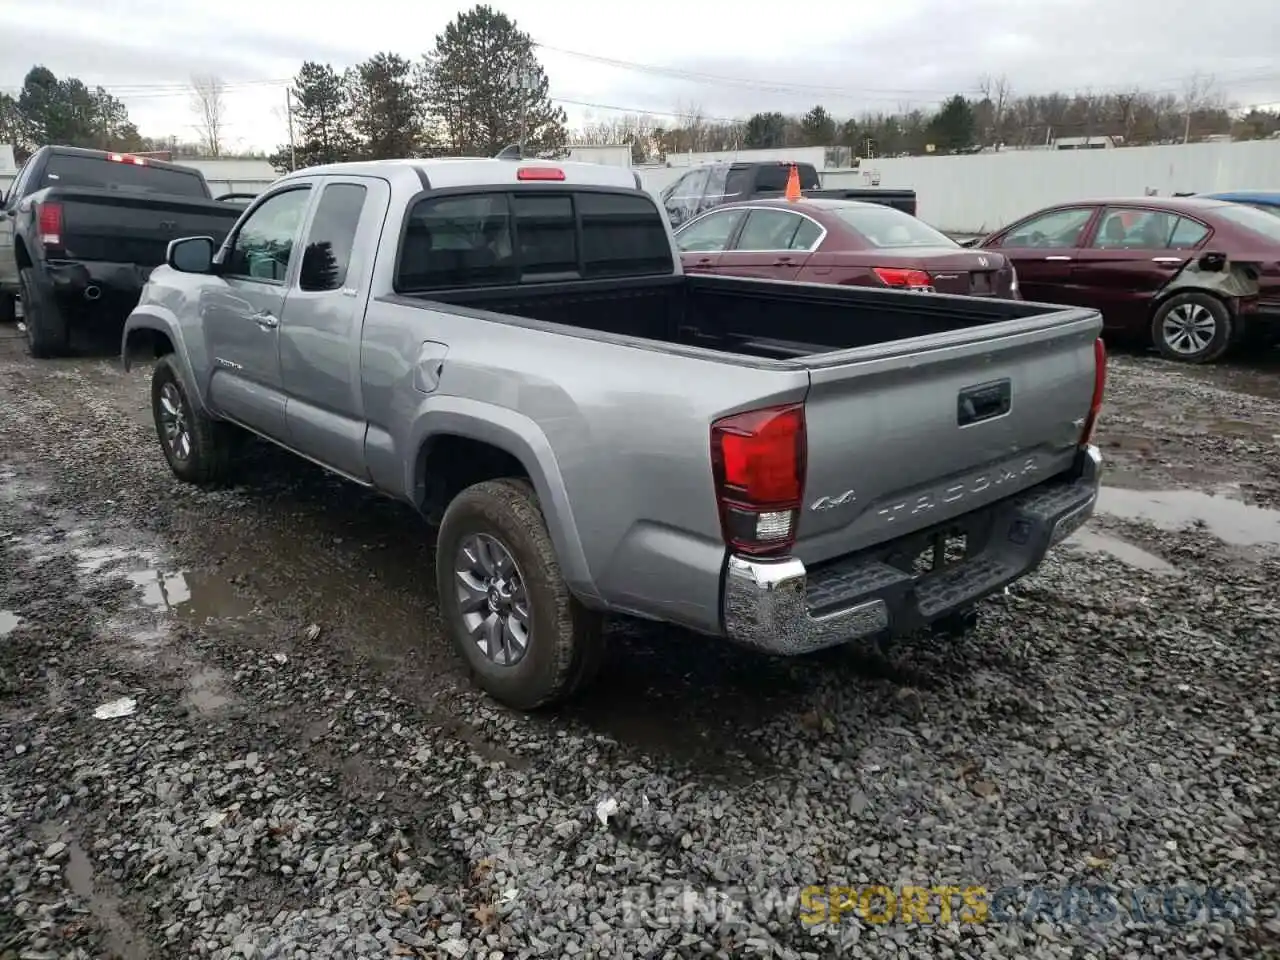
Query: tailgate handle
[(984, 402)]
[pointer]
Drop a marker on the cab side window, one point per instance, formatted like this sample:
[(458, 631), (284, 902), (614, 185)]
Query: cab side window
[(333, 233), (263, 246)]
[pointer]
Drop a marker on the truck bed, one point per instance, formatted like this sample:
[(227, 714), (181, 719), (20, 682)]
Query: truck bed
[(757, 318)]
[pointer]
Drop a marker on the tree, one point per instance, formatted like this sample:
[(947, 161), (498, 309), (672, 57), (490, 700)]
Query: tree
[(817, 128), (209, 107), (487, 89), (765, 131), (68, 113), (386, 114), (321, 116), (952, 127), (11, 132)]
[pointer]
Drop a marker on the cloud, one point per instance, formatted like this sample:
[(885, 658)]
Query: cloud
[(852, 58)]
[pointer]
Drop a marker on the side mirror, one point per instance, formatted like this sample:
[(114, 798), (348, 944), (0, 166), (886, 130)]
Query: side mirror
[(971, 242), (191, 254)]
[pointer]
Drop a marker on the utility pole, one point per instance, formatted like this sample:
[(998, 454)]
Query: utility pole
[(288, 112), (522, 80)]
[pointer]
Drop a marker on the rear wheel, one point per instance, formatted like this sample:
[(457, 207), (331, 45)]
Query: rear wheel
[(1192, 327), (527, 641), (46, 325)]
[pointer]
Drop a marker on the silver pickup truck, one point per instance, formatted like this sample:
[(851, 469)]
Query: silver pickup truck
[(510, 347)]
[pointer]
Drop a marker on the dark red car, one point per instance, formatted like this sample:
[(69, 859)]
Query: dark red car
[(838, 241), (1192, 275)]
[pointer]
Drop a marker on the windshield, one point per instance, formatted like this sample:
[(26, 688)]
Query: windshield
[(887, 227), (1252, 219)]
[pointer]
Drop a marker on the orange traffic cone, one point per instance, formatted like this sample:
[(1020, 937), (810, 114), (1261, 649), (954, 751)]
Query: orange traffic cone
[(793, 183)]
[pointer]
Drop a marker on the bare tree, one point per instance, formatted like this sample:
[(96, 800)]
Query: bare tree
[(1198, 93), (208, 106), (999, 93)]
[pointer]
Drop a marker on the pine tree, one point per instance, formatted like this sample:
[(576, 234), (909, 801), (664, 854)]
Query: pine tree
[(386, 108), (321, 116), (485, 86)]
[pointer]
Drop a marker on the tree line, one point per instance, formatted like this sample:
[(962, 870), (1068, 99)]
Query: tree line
[(479, 90), (991, 118)]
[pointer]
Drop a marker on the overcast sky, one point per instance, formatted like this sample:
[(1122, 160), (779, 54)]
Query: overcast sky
[(752, 55)]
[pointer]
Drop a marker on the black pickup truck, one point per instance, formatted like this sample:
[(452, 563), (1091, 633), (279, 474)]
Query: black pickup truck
[(709, 185), (81, 231)]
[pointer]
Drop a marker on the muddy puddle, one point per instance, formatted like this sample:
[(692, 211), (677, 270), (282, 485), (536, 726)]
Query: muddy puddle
[(1222, 514), (9, 622), (1094, 541)]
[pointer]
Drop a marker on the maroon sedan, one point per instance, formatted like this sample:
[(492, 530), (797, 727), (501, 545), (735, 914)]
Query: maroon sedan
[(1189, 274), (838, 241)]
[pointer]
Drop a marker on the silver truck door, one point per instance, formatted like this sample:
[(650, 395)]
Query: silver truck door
[(241, 315), (323, 317)]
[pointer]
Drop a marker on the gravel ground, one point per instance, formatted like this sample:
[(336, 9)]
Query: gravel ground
[(305, 772)]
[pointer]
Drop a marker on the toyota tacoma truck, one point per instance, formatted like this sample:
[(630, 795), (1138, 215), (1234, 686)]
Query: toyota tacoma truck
[(511, 348), (80, 230)]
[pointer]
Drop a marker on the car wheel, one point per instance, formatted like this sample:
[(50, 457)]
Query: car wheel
[(1192, 327), (46, 326), (527, 641), (197, 447)]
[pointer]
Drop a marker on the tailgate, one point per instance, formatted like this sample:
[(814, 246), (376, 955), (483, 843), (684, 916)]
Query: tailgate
[(913, 433), (101, 225)]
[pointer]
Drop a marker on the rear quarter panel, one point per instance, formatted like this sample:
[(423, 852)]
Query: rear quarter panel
[(614, 436)]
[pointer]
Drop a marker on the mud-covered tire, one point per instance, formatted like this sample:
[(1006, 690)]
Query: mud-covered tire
[(207, 461), (48, 334), (565, 641), (1193, 327)]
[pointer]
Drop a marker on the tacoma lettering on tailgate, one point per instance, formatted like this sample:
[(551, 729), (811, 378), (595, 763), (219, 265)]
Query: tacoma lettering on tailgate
[(914, 506)]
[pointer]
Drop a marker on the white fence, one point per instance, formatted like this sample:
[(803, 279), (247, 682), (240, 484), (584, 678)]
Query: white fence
[(977, 193)]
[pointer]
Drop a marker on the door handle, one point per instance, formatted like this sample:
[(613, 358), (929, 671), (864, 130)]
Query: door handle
[(1057, 258), (782, 262), (265, 320), (1166, 259), (703, 260)]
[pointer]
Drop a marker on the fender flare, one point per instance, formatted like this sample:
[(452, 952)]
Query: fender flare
[(521, 437), (148, 318)]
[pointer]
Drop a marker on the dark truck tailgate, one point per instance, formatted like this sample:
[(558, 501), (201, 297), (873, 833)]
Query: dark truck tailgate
[(107, 225)]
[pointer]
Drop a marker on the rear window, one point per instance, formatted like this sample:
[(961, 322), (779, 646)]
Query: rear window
[(773, 176), (887, 227), (1252, 219), (496, 238), (104, 174)]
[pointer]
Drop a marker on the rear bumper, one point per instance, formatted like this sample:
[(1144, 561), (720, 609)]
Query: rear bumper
[(779, 607), (72, 281)]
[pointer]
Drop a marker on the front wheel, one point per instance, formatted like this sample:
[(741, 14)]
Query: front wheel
[(526, 640), (1192, 327), (197, 447)]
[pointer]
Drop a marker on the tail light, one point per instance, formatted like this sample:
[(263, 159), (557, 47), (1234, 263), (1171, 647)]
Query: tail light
[(49, 224), (128, 158), (1099, 388), (758, 463), (539, 173), (904, 279)]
